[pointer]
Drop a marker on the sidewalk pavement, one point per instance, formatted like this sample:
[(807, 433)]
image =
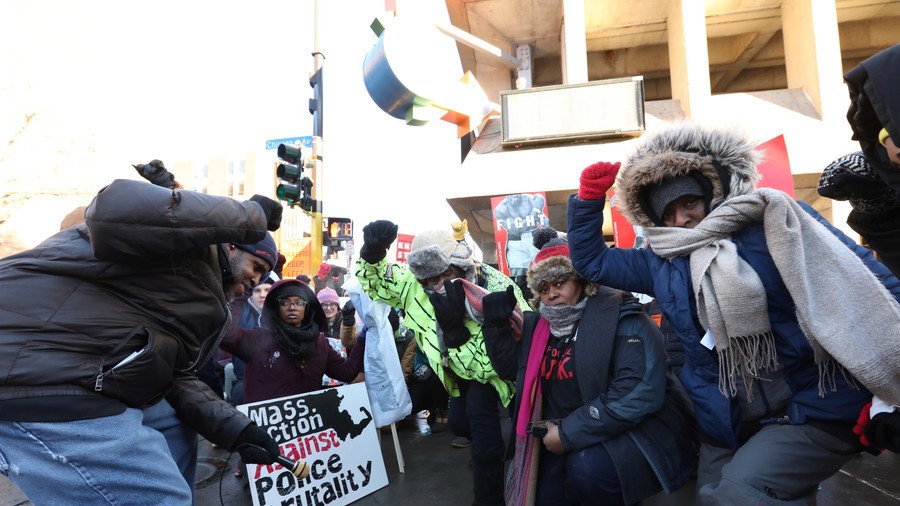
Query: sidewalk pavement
[(438, 475)]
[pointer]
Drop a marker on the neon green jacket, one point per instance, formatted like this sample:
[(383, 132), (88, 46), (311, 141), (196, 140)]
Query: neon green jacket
[(396, 286)]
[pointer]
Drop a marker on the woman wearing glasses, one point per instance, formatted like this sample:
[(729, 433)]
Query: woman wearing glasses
[(289, 353)]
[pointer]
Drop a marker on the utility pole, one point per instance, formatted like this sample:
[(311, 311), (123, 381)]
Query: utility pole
[(315, 108)]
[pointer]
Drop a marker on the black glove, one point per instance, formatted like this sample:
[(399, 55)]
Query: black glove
[(272, 209), (498, 307), (883, 431), (348, 313), (255, 446), (156, 173), (450, 311), (377, 238)]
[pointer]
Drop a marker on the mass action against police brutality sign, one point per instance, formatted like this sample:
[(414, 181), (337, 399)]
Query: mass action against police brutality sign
[(332, 431)]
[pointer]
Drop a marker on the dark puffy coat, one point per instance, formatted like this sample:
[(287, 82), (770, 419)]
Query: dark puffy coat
[(631, 405), (875, 104), (721, 418), (141, 276)]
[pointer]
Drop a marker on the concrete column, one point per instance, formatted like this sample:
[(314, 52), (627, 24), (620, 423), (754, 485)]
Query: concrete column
[(574, 43), (689, 56), (812, 55)]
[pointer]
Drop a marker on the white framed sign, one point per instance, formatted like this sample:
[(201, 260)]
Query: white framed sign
[(332, 430)]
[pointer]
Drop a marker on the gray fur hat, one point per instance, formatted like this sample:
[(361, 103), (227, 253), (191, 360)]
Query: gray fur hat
[(434, 251)]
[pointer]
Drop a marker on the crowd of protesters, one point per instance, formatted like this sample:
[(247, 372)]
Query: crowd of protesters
[(779, 363)]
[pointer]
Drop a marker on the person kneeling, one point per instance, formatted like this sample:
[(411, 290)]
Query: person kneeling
[(592, 386)]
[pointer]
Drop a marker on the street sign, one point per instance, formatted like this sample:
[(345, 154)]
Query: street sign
[(305, 141)]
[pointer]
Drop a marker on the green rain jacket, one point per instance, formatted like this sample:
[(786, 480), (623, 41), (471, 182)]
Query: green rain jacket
[(396, 286)]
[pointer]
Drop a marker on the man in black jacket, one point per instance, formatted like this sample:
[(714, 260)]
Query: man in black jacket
[(102, 328)]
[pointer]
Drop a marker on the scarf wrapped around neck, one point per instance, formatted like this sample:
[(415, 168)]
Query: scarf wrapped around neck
[(300, 342), (844, 311), (562, 319)]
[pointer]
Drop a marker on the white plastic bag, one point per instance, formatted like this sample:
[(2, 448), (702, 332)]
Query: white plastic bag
[(387, 390)]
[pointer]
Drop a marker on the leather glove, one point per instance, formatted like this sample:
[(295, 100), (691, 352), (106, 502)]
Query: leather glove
[(377, 238), (348, 313), (255, 446), (498, 307), (596, 180), (450, 312), (271, 208), (883, 431), (156, 173)]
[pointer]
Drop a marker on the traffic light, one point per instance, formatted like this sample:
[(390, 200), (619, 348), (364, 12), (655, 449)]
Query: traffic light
[(316, 103), (297, 188)]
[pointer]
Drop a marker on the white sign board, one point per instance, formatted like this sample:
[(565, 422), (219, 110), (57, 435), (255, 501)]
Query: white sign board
[(333, 432)]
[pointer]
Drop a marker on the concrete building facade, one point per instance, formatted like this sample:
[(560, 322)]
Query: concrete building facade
[(767, 67)]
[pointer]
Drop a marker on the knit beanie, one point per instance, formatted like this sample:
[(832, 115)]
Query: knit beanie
[(433, 252), (669, 190), (327, 295), (552, 260), (264, 249)]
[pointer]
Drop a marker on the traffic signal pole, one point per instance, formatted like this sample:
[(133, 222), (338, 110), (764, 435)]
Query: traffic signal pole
[(315, 107)]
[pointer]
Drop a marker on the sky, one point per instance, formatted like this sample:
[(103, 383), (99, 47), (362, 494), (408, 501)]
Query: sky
[(87, 88)]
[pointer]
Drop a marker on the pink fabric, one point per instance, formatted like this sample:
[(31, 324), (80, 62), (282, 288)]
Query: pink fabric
[(475, 293), (531, 387)]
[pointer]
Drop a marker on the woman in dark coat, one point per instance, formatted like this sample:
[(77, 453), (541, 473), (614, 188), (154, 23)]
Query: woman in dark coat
[(289, 354), (599, 420)]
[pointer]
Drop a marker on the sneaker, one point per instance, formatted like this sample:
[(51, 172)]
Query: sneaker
[(460, 442)]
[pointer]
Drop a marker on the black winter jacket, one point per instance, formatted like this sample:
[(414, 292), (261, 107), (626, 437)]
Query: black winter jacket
[(631, 406), (139, 279), (874, 87)]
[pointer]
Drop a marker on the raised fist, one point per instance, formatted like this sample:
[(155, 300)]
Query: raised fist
[(377, 238), (272, 209), (597, 179)]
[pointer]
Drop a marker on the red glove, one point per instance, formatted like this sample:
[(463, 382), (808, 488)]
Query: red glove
[(596, 180), (324, 269), (860, 428)]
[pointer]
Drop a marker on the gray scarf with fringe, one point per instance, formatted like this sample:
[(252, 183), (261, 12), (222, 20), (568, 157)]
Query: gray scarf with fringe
[(844, 311)]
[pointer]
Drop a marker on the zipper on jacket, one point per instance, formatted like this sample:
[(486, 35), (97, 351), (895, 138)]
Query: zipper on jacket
[(203, 355), (98, 380)]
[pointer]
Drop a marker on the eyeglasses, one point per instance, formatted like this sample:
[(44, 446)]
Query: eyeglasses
[(330, 305), (288, 304)]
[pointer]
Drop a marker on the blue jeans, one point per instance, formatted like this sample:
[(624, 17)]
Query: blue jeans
[(137, 457)]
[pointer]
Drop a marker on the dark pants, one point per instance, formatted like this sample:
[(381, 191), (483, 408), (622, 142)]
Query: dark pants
[(429, 394), (780, 464), (475, 414), (583, 477)]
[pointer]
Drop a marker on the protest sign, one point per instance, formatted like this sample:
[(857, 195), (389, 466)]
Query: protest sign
[(404, 245), (332, 431), (516, 217)]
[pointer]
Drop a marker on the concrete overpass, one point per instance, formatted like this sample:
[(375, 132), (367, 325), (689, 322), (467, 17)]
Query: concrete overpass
[(773, 67)]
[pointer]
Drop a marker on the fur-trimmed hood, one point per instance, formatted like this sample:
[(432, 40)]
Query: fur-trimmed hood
[(682, 150)]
